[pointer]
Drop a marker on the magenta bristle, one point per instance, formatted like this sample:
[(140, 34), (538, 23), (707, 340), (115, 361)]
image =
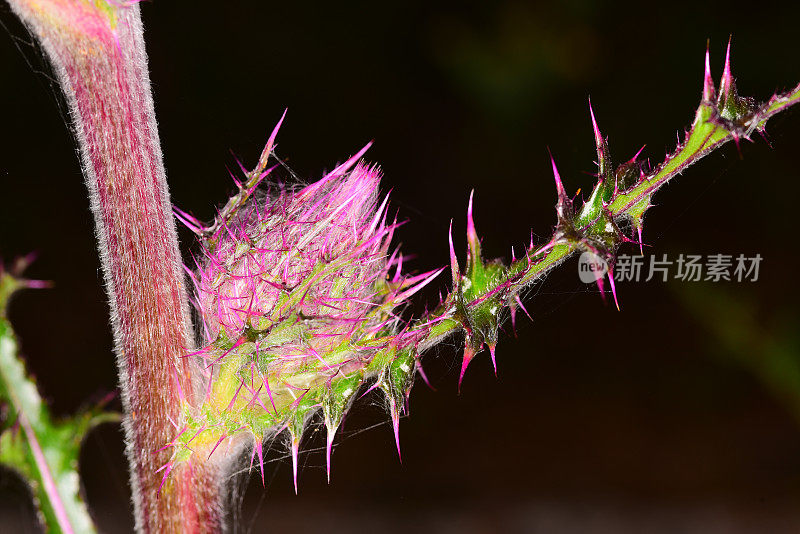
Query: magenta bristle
[(601, 287), (252, 455), (492, 347), (708, 82), (736, 138), (598, 138), (299, 399), (233, 177), (453, 259), (167, 468), (379, 214), (395, 415), (265, 154), (328, 447), (727, 78), (199, 431), (178, 382), (261, 177), (522, 306), (257, 397), (295, 450), (399, 270), (427, 278), (175, 426), (469, 354), (335, 173), (374, 386), (633, 159), (237, 344), (544, 248), (613, 287), (641, 243), (562, 194), (167, 446), (188, 221), (36, 284), (220, 440), (239, 164), (233, 400), (424, 375), (472, 235), (260, 453)]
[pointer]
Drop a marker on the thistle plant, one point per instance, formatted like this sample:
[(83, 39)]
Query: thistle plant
[(300, 293)]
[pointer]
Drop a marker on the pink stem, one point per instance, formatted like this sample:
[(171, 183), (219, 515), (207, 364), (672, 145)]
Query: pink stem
[(47, 477), (97, 52)]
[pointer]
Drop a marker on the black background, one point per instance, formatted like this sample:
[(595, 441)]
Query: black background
[(599, 421)]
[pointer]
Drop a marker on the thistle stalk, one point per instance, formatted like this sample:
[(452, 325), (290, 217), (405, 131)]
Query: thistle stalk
[(97, 52), (618, 201)]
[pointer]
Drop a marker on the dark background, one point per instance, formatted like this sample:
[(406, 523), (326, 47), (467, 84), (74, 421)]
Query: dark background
[(639, 421)]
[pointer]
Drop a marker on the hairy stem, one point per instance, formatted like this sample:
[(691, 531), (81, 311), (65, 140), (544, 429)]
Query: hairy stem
[(97, 52)]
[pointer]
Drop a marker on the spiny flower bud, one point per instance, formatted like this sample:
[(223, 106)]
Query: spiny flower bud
[(298, 295), (327, 237)]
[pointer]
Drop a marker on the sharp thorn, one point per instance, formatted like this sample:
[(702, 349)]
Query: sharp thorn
[(262, 161), (469, 353), (726, 84), (613, 287), (328, 447), (492, 347), (641, 243), (260, 453), (453, 259), (708, 83), (295, 450), (395, 414), (597, 137)]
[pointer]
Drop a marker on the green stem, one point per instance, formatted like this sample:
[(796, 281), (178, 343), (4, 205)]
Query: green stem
[(709, 132)]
